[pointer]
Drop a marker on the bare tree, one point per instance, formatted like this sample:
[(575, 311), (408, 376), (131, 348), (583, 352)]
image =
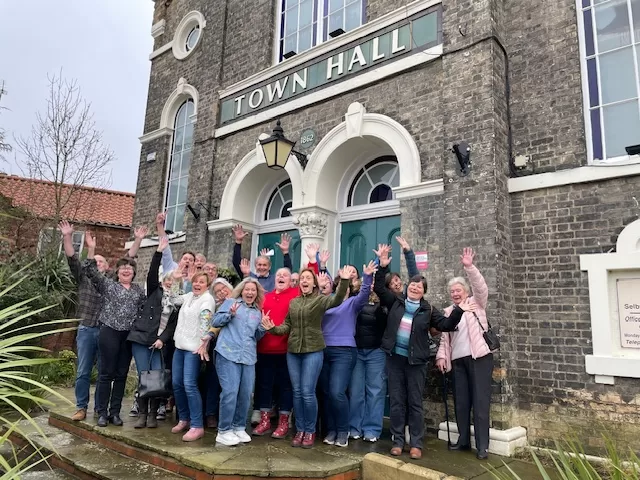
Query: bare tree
[(4, 146), (66, 148)]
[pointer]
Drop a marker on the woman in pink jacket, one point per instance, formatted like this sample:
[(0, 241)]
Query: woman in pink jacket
[(466, 352)]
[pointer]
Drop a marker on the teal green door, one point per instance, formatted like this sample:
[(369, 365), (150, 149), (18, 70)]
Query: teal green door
[(269, 240), (359, 239)]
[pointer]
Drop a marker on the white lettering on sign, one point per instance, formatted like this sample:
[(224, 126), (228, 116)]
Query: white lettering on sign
[(300, 81), (339, 65), (395, 38), (260, 95), (629, 311), (306, 139), (376, 50), (357, 56), (279, 89), (239, 104)]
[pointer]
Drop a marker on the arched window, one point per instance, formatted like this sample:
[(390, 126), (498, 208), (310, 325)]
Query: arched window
[(280, 202), (374, 182), (180, 161)]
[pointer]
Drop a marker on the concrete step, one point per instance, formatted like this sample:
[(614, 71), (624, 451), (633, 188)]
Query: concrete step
[(83, 459)]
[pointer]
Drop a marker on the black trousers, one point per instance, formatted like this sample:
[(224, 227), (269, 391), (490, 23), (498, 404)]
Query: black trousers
[(472, 389), (406, 389), (115, 359)]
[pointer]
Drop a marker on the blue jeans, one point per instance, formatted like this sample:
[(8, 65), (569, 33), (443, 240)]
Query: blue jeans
[(304, 370), (236, 382), (142, 354), (334, 381), (184, 373), (88, 354), (212, 400), (367, 392)]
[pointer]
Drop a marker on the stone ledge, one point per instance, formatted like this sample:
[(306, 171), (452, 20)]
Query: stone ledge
[(380, 467), (501, 442)]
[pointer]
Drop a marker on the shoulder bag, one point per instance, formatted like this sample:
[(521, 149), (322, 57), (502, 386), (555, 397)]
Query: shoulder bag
[(154, 383), (490, 337)]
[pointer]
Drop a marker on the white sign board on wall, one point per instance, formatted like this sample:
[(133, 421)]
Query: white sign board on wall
[(629, 311)]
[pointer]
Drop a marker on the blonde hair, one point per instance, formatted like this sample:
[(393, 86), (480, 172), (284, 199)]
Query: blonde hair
[(462, 281), (237, 292), (202, 274)]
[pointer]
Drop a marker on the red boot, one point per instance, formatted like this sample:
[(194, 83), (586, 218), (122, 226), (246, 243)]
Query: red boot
[(283, 427), (264, 427)]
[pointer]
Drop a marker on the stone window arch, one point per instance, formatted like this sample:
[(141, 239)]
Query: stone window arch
[(374, 182)]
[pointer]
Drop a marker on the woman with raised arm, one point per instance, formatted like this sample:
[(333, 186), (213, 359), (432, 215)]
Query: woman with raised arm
[(466, 352), (153, 328), (406, 342), (121, 300), (340, 355), (306, 348)]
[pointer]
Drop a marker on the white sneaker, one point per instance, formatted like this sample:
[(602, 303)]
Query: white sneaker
[(255, 417), (242, 436), (227, 438)]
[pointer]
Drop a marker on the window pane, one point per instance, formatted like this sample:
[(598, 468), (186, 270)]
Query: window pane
[(635, 12), (306, 13), (290, 44), (588, 31), (612, 25), (353, 16), (291, 22), (182, 190), (182, 115), (285, 210), (178, 139), (617, 76), (179, 218), (188, 135), (175, 165), (361, 192), (592, 73), (171, 219), (172, 196), (381, 193), (596, 134), (335, 5), (621, 127), (287, 192), (382, 173), (304, 40), (186, 163), (275, 207), (336, 20)]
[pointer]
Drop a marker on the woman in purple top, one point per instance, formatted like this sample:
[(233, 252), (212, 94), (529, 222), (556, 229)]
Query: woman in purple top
[(340, 354)]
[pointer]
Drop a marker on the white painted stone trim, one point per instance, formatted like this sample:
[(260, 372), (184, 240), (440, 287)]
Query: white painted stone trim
[(157, 28), (183, 92), (190, 20), (365, 212), (179, 237), (155, 134), (501, 442), (279, 225), (164, 48), (591, 173), (430, 187), (370, 76), (228, 223), (368, 28)]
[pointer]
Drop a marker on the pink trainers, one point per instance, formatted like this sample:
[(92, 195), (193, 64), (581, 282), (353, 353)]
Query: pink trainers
[(193, 434), (181, 426)]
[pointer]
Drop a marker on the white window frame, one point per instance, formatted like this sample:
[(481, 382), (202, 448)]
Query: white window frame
[(278, 191), (187, 24), (318, 5), (53, 231), (192, 119), (582, 44)]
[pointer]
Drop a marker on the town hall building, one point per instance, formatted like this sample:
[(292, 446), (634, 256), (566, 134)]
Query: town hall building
[(510, 127)]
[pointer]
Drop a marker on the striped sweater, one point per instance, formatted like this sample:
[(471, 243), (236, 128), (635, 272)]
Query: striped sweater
[(480, 294)]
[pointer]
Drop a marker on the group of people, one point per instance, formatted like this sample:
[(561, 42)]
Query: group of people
[(284, 338)]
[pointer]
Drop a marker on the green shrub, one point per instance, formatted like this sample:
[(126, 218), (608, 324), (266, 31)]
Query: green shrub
[(61, 371), (230, 275)]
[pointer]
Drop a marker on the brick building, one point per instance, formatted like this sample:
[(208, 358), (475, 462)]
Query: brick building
[(377, 93)]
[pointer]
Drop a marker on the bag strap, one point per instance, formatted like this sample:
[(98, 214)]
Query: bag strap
[(153, 350), (480, 323)]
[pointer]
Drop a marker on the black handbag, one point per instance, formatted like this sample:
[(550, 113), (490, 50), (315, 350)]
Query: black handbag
[(491, 337), (154, 383)]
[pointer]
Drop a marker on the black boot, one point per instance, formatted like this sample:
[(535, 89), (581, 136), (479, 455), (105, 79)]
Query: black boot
[(116, 420), (141, 422), (103, 421), (152, 420), (459, 446), (482, 454)]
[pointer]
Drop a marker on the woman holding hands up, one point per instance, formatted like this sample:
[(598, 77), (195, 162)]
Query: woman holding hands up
[(406, 342)]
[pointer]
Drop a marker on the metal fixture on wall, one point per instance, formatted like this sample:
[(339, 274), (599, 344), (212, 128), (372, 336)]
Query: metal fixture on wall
[(195, 210), (277, 149), (463, 154)]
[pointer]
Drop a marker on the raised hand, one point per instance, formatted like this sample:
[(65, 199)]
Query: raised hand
[(311, 251), (324, 256), (245, 267), (403, 244), (239, 233), (65, 228), (383, 254), (467, 256), (234, 309), (370, 268), (323, 279), (285, 242), (89, 240), (191, 271), (468, 305), (140, 232), (164, 243), (346, 272), (264, 252), (266, 322), (161, 218)]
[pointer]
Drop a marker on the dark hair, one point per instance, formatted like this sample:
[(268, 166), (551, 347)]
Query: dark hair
[(126, 261), (189, 252), (353, 289), (419, 279), (356, 269), (390, 276)]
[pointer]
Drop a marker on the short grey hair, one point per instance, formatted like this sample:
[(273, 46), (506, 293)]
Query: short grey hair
[(462, 281), (176, 281), (222, 281)]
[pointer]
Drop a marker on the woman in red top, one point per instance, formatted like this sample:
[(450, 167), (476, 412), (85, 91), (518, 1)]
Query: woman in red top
[(271, 369)]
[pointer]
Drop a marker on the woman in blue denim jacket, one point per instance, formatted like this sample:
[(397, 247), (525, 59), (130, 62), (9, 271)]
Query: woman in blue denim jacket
[(241, 317)]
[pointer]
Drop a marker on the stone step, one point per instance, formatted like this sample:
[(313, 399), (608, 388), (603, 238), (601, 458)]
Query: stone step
[(83, 459)]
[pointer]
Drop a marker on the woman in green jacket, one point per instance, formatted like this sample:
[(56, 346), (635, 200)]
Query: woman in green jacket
[(306, 348)]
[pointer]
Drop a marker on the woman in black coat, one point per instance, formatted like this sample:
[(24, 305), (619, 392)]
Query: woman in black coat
[(152, 329), (406, 343)]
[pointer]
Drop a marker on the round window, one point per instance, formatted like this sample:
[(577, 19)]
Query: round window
[(192, 38)]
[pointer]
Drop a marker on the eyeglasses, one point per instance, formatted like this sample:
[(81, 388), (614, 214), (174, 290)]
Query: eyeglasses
[(126, 267)]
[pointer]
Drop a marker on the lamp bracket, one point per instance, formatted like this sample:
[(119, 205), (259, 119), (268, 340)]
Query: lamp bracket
[(301, 157)]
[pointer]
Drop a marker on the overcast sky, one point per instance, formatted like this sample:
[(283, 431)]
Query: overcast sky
[(103, 44)]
